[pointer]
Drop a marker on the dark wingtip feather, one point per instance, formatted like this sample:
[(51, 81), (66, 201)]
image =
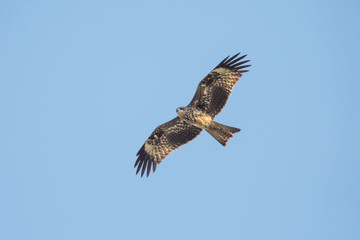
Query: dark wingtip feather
[(222, 62), (143, 168), (148, 168), (154, 166), (139, 166), (144, 162), (230, 59), (141, 150), (240, 63), (245, 66), (233, 62), (137, 162)]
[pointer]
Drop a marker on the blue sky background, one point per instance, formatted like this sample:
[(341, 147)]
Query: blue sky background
[(84, 83)]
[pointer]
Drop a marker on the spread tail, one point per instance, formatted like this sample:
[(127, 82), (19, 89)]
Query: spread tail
[(221, 132)]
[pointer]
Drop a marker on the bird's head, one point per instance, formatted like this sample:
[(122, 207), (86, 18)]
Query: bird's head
[(180, 111)]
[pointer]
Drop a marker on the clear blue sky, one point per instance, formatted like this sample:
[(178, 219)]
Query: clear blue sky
[(84, 83)]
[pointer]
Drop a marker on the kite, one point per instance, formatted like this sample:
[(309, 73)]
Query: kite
[(210, 98)]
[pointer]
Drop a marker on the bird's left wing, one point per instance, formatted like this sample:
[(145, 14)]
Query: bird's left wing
[(214, 90), (163, 140)]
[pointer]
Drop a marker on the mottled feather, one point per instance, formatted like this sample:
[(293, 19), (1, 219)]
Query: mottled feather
[(163, 140), (214, 90)]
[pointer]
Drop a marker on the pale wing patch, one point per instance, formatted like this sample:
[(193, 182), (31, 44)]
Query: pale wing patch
[(221, 70), (149, 147)]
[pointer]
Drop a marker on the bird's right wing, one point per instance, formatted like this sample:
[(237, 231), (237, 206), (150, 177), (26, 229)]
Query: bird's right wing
[(214, 90), (163, 140)]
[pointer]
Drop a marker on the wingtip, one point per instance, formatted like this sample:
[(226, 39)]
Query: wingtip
[(154, 166), (233, 57), (138, 169), (148, 168), (233, 62), (245, 66)]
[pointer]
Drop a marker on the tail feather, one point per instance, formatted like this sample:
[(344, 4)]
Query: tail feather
[(221, 132)]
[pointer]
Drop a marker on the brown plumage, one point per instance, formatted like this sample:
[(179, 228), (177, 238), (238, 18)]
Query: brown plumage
[(210, 98)]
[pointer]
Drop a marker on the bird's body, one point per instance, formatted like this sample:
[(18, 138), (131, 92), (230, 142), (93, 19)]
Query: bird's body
[(194, 116), (211, 96)]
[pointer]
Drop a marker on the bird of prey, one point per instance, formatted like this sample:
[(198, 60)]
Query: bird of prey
[(210, 97)]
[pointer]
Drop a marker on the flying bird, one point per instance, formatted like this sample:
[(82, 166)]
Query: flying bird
[(210, 98)]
